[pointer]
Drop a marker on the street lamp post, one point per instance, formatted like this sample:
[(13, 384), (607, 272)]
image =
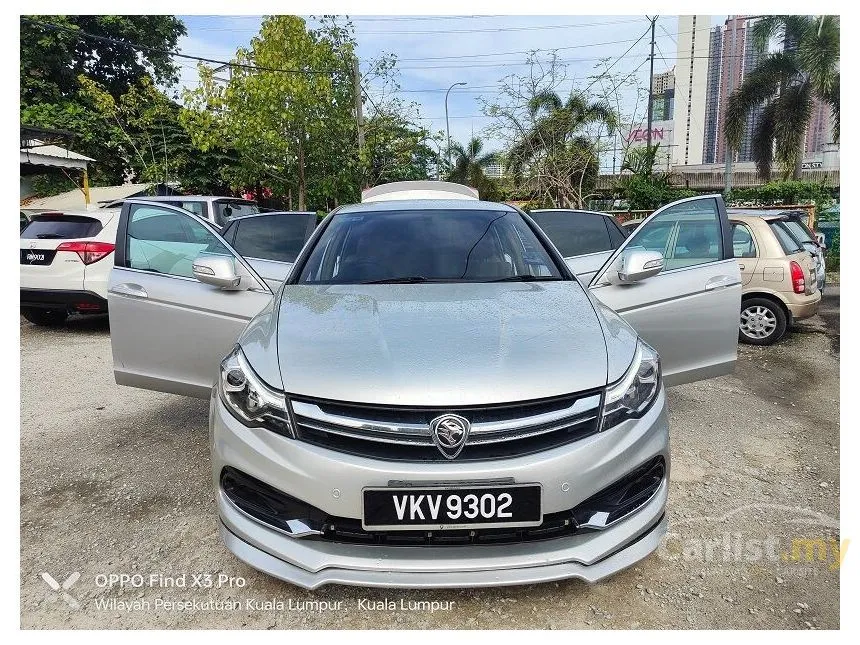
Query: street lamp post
[(447, 125)]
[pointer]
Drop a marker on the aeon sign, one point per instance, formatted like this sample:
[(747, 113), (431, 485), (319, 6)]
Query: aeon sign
[(641, 134)]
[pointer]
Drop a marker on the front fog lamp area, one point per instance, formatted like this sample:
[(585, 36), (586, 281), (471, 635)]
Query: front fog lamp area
[(631, 397), (251, 401)]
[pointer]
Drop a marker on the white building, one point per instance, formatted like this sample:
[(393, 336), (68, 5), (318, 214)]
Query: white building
[(691, 84)]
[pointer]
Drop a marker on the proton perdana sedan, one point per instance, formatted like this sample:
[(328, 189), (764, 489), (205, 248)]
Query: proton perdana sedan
[(431, 398)]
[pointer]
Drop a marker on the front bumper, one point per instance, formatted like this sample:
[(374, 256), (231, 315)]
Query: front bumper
[(333, 482)]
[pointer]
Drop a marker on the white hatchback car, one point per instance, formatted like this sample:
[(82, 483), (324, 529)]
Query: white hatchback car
[(66, 258)]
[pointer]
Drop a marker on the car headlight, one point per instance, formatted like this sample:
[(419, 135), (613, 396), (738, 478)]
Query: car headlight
[(632, 396), (251, 401)]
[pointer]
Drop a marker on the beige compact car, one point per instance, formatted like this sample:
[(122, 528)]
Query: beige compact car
[(778, 275)]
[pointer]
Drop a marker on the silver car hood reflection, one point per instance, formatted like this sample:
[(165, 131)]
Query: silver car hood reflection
[(439, 344)]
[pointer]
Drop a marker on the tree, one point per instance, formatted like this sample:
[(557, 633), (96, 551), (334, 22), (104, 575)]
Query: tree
[(787, 83), (151, 143), (287, 108), (646, 188), (52, 59), (470, 166), (552, 142)]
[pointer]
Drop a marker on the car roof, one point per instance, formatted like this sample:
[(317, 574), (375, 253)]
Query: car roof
[(769, 213), (186, 198), (426, 205), (568, 210), (267, 213)]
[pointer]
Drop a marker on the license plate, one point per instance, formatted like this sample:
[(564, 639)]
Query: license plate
[(449, 507), (37, 256)]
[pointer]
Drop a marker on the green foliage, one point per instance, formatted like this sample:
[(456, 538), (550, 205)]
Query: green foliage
[(52, 60), (469, 166), (554, 153), (783, 192), (646, 189), (787, 83), (51, 94), (650, 193), (832, 259)]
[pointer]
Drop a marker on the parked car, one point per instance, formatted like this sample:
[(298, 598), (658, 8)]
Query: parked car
[(432, 399), (271, 241), (585, 239), (632, 224), (211, 207), (778, 273), (66, 258), (796, 222)]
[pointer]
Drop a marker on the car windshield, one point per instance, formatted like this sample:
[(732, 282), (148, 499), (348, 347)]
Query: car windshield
[(226, 210), (800, 231), (61, 227), (427, 246), (787, 241)]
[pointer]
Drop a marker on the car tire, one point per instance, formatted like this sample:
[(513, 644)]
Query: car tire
[(45, 317), (762, 322)]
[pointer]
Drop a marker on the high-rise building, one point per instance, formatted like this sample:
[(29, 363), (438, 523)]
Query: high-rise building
[(819, 132), (731, 56), (712, 95), (663, 105), (691, 80)]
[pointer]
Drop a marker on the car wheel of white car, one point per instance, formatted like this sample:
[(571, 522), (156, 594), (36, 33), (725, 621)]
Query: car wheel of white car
[(45, 317), (762, 322)]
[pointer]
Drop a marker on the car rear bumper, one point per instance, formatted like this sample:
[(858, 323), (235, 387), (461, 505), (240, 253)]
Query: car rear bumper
[(74, 301), (332, 482), (805, 309)]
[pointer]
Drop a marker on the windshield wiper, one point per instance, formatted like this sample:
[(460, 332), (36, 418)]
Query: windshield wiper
[(526, 278), (411, 279), (49, 236)]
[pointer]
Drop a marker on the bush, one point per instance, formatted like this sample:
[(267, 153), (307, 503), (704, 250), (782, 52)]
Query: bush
[(650, 193), (832, 257), (783, 192)]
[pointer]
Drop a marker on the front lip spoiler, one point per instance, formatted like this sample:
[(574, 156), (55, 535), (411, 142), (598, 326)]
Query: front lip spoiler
[(626, 555)]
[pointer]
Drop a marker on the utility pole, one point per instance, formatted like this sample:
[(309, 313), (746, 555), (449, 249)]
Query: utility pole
[(447, 125), (730, 88), (651, 86), (359, 114)]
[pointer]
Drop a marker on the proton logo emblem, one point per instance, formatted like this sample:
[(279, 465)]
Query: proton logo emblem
[(450, 433)]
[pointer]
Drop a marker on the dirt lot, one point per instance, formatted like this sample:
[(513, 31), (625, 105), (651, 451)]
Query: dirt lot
[(116, 481)]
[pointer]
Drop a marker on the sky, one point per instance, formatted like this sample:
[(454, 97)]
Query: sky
[(435, 51)]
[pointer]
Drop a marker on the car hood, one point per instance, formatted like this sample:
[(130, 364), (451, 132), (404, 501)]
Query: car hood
[(439, 344)]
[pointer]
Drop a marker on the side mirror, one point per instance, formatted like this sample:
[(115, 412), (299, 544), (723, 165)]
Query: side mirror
[(637, 264), (217, 270)]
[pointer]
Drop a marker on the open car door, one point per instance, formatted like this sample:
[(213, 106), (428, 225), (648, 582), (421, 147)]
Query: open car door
[(169, 331), (689, 310)]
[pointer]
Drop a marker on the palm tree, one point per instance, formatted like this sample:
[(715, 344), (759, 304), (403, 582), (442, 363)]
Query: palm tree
[(787, 84), (470, 166), (557, 145)]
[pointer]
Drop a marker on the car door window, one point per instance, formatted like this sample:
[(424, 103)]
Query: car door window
[(165, 241), (688, 233), (271, 237), (743, 242), (574, 233)]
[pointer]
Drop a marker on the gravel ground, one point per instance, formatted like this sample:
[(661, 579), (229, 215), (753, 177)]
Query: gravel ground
[(116, 481)]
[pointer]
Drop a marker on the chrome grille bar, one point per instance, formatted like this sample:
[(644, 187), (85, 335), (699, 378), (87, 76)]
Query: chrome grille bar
[(312, 416)]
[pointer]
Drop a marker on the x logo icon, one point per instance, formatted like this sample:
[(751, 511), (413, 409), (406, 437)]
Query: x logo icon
[(62, 589)]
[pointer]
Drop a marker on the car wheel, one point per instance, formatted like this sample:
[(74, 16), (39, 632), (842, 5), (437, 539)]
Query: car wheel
[(763, 322), (45, 317)]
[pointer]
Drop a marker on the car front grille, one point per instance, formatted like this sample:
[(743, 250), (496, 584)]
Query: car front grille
[(400, 433)]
